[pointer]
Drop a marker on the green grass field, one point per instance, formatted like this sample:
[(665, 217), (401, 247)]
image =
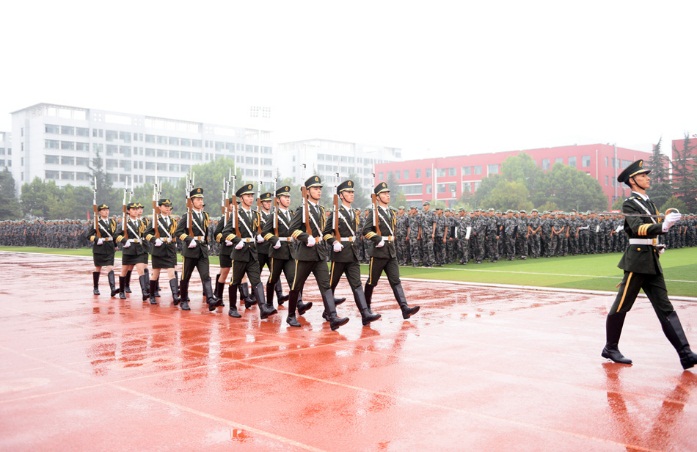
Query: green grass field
[(594, 272)]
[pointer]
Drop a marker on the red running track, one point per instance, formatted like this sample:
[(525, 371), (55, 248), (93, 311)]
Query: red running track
[(479, 368)]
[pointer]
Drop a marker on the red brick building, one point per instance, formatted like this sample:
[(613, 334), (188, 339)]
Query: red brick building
[(455, 175)]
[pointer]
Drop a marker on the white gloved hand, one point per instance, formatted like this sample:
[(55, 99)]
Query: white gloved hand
[(228, 243), (193, 243), (381, 244), (158, 242), (260, 239), (670, 220), (239, 245), (338, 247), (277, 245), (127, 244), (100, 241), (310, 241)]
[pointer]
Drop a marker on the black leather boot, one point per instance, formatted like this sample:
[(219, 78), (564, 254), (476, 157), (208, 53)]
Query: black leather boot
[(338, 301), (676, 335), (219, 288), (128, 282), (334, 320), (292, 304), (153, 288), (269, 295), (175, 291), (144, 286), (279, 293), (402, 302), (302, 307), (122, 287), (613, 331), (366, 315), (264, 309), (112, 283), (368, 295), (184, 293), (232, 292), (95, 283), (244, 295), (211, 299)]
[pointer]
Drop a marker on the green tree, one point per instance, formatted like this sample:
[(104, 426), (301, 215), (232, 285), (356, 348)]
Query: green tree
[(9, 205), (485, 188), (685, 173), (38, 197), (568, 188), (675, 203), (509, 195), (397, 197), (660, 178)]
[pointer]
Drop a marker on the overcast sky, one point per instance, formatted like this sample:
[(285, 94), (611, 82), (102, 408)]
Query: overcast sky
[(432, 77)]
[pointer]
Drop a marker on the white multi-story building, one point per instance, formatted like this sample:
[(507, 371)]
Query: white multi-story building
[(5, 151), (58, 142), (326, 158)]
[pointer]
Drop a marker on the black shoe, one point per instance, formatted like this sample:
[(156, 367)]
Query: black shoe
[(233, 312), (95, 291), (292, 321), (408, 312), (368, 317), (303, 307), (185, 306), (615, 355), (338, 301)]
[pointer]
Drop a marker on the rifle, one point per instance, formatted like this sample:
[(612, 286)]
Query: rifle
[(124, 224), (155, 210), (233, 201), (225, 206), (335, 218), (259, 208), (190, 204), (306, 212), (95, 210), (275, 207), (376, 221)]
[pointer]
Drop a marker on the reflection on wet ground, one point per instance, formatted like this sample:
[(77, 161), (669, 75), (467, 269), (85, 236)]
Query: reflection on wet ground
[(477, 368)]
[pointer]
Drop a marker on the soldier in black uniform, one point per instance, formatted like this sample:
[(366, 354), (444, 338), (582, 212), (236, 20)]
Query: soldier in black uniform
[(103, 249), (195, 249), (384, 254), (642, 268), (344, 255), (164, 249), (131, 236), (242, 232), (311, 254), (263, 251)]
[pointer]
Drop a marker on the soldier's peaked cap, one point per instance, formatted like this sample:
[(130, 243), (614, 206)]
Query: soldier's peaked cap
[(102, 207), (164, 202), (314, 181), (632, 170), (196, 193), (380, 188), (283, 191), (266, 197), (246, 189), (346, 185)]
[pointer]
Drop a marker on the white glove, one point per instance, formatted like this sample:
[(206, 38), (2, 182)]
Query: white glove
[(158, 242), (381, 244), (670, 220), (338, 247), (310, 241), (239, 245), (127, 244), (260, 239), (228, 243), (100, 241), (277, 245), (193, 243)]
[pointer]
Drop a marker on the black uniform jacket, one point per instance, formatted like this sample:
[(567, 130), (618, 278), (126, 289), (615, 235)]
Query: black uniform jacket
[(166, 227), (286, 251), (641, 258), (199, 229), (317, 220), (247, 227), (107, 229), (136, 233), (388, 222), (349, 229)]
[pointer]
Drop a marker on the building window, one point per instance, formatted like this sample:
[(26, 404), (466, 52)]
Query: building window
[(67, 130), (451, 171), (559, 160), (82, 131), (50, 128), (429, 189), (607, 162), (428, 173), (466, 170), (586, 161), (68, 145), (545, 164), (406, 174), (52, 175), (125, 136), (492, 169), (440, 172), (51, 159), (111, 135), (607, 181), (52, 144), (572, 162), (478, 169), (417, 173), (67, 160)]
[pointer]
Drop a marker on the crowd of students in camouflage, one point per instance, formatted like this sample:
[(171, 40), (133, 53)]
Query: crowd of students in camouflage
[(428, 238)]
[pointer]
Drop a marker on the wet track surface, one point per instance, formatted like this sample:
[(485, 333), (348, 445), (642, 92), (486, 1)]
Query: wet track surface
[(478, 368)]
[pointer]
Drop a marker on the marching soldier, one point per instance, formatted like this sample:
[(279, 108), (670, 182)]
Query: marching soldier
[(344, 255), (642, 268), (241, 233), (131, 236), (264, 251), (103, 249), (307, 225), (384, 254), (192, 232), (164, 249)]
